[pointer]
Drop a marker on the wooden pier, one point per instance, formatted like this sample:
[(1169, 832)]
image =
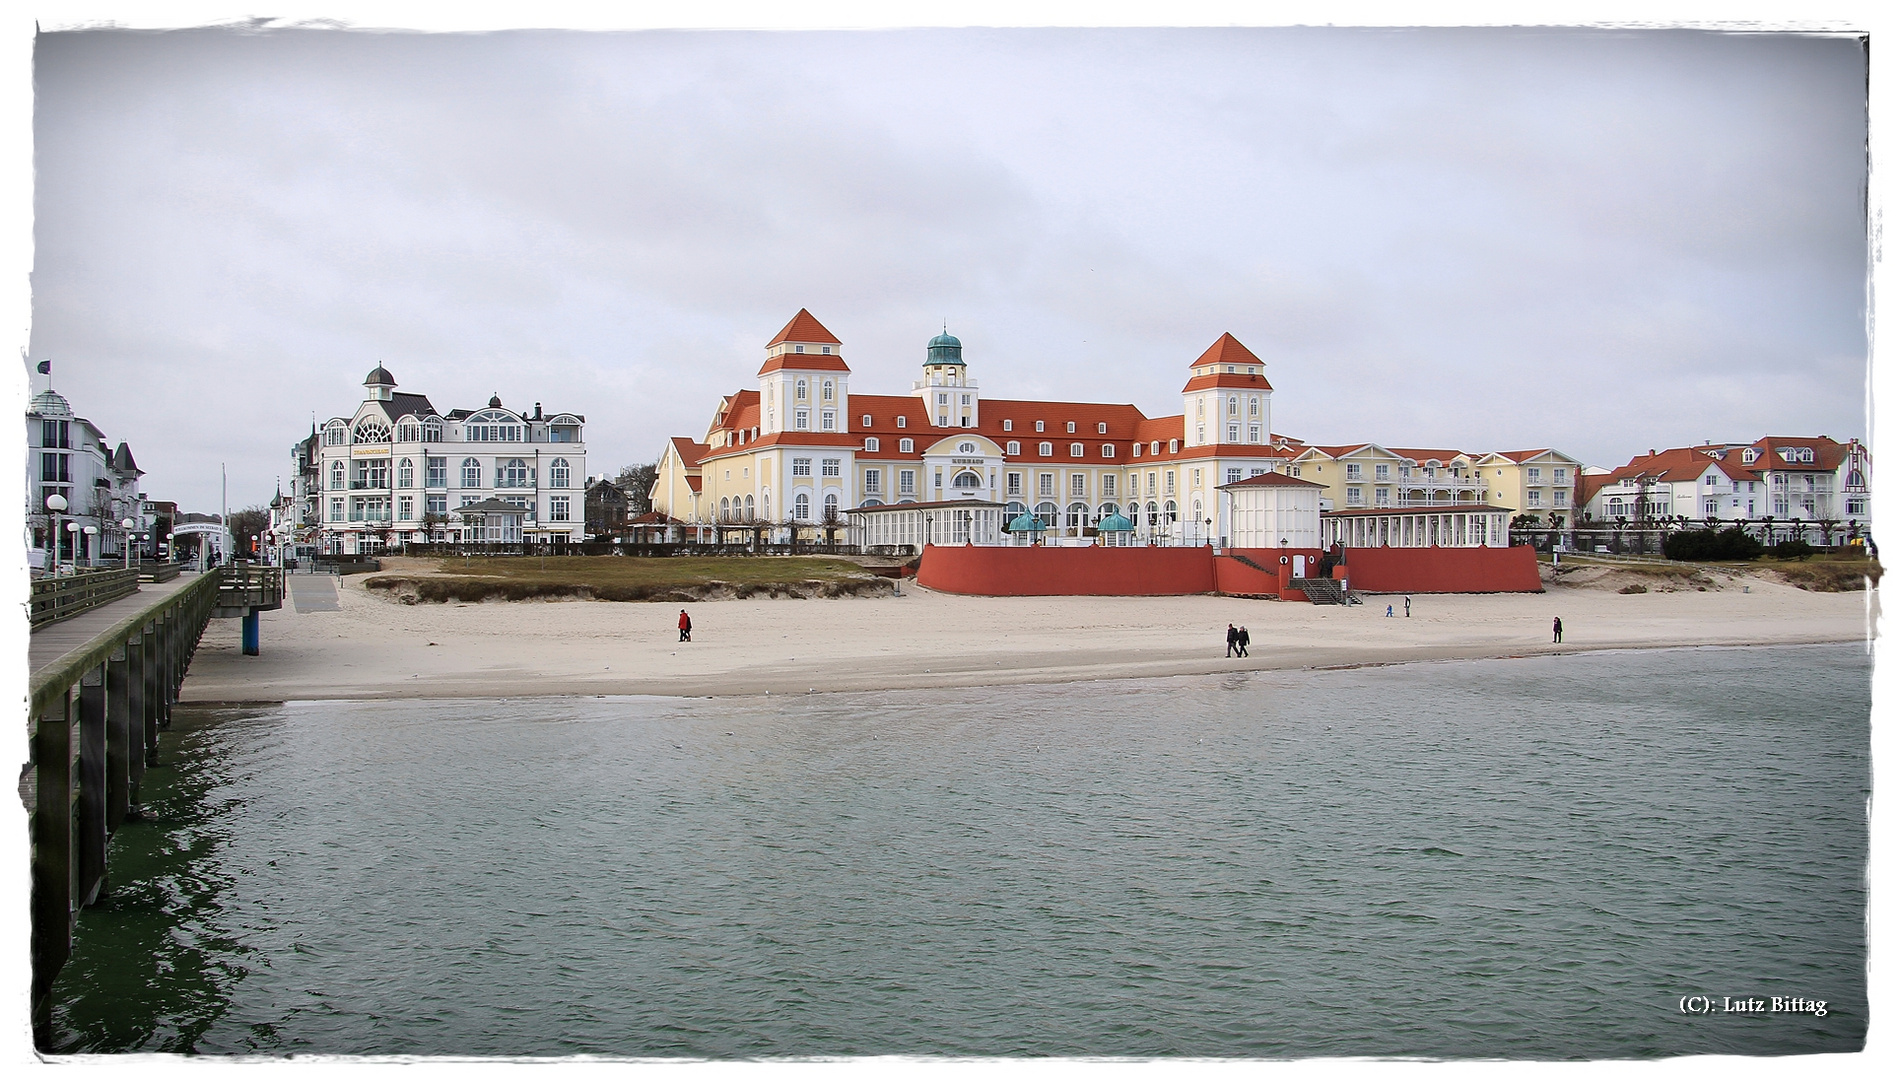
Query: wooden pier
[(102, 686)]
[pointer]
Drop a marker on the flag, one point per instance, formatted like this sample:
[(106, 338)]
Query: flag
[(46, 367)]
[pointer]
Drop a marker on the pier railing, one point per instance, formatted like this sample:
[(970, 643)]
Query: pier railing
[(95, 715), (65, 595)]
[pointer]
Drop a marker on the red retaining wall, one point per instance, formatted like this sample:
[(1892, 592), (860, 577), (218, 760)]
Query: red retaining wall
[(1441, 570), (1233, 577), (1057, 571), (1178, 571)]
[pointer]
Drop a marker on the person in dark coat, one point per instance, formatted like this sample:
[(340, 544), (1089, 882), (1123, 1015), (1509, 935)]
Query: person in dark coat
[(1245, 640), (1232, 638), (1556, 630), (685, 625)]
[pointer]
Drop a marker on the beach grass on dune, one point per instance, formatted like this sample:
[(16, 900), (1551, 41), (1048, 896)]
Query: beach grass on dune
[(609, 577)]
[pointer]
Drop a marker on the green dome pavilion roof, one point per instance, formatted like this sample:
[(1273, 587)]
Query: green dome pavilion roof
[(1027, 523), (945, 349), (1115, 523)]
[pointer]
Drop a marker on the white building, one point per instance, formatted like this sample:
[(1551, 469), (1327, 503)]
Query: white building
[(1810, 487), (1272, 510), (397, 470), (796, 454), (68, 456)]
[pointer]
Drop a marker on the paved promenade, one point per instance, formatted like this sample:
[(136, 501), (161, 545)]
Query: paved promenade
[(54, 640)]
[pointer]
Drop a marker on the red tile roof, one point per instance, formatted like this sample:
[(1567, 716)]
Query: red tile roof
[(1226, 350), (1238, 380), (803, 362), (804, 328), (1271, 479), (689, 451)]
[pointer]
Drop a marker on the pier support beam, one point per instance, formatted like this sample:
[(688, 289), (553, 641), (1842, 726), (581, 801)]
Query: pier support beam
[(53, 868), (122, 743)]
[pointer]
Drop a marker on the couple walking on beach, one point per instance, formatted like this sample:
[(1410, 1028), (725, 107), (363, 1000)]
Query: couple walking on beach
[(1237, 639)]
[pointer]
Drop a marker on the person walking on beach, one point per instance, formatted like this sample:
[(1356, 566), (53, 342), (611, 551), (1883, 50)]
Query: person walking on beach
[(1232, 638), (1387, 611), (685, 625), (1407, 607), (1556, 631), (1245, 640)]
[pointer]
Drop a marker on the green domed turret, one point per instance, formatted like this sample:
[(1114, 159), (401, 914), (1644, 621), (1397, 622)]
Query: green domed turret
[(945, 349)]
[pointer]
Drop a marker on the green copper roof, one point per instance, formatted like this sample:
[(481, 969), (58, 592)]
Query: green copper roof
[(1115, 523), (1027, 523), (945, 349)]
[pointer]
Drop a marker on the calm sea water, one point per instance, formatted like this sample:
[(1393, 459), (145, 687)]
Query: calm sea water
[(1533, 858)]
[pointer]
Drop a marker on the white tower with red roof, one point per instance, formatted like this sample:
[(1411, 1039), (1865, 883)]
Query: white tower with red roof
[(1227, 401), (804, 385)]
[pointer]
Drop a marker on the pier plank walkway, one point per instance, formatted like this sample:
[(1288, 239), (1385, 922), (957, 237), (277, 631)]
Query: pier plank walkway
[(52, 642)]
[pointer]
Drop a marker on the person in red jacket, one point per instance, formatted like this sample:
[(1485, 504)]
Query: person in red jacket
[(685, 626)]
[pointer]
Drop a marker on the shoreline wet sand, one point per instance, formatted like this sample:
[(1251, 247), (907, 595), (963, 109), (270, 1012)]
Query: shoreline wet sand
[(375, 647)]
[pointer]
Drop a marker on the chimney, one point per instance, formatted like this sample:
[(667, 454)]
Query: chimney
[(537, 410)]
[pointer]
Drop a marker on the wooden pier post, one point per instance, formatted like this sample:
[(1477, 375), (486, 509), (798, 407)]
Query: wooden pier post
[(121, 746), (52, 856), (89, 804)]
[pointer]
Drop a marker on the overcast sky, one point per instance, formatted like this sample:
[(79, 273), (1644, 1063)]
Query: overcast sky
[(1487, 239)]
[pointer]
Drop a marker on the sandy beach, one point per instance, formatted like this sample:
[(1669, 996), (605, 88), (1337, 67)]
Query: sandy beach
[(373, 646)]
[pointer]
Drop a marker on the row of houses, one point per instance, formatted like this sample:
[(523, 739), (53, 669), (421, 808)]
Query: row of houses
[(82, 490), (800, 456)]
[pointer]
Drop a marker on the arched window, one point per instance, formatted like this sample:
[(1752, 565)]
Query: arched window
[(405, 473), (335, 433), (408, 430), (1173, 512), (512, 473), (1106, 510), (1077, 515), (492, 425), (966, 480), (1046, 512), (830, 507), (1075, 449), (830, 390), (799, 394), (1013, 449), (1047, 449), (471, 473), (432, 429), (725, 509), (370, 430), (871, 502), (336, 476), (748, 508), (560, 474), (1153, 514), (802, 508), (1233, 406)]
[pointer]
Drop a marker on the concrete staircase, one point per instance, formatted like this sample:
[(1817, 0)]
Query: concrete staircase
[(1324, 591)]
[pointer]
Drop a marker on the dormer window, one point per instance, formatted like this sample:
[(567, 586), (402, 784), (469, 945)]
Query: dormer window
[(1154, 448), (1173, 446), (903, 421), (827, 350), (1038, 425), (1071, 427), (1008, 425), (871, 445), (866, 422), (1101, 428), (797, 348)]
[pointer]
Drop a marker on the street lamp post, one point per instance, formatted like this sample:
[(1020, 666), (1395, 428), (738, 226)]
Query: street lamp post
[(72, 527), (92, 545), (129, 525), (55, 505)]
